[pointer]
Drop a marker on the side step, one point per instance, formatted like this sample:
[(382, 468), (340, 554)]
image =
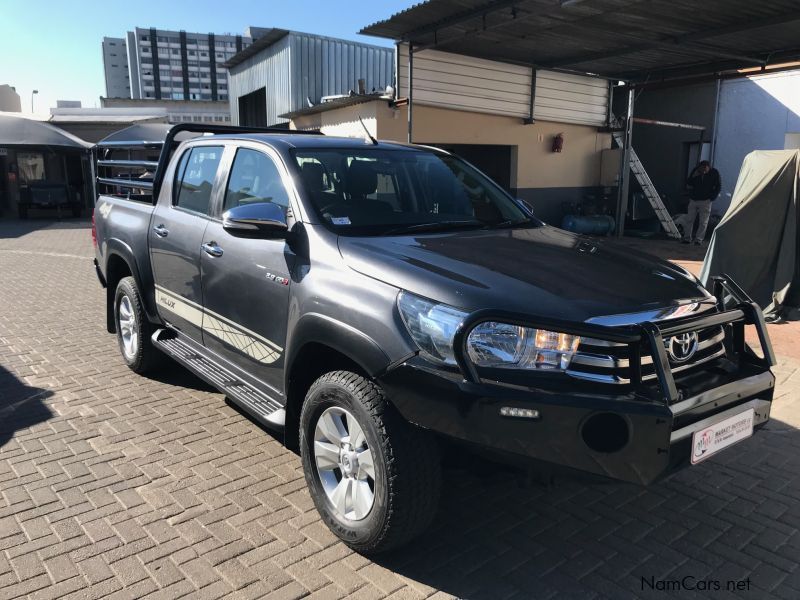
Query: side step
[(242, 393)]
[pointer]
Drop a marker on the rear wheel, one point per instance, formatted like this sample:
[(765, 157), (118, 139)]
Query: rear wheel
[(133, 328), (374, 478)]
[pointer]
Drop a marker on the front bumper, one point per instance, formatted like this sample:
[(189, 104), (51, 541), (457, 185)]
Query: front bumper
[(644, 440), (638, 434)]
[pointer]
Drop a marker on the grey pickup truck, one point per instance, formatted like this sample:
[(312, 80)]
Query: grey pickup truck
[(368, 300)]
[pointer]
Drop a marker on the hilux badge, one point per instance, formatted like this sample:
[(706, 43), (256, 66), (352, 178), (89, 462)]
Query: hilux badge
[(682, 347)]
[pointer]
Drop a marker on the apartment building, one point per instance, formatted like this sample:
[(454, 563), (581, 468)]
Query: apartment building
[(176, 65), (115, 67)]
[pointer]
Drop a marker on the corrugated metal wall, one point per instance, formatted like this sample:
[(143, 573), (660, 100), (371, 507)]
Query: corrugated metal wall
[(270, 69), (569, 98), (327, 67), (473, 84), (302, 66), (466, 83)]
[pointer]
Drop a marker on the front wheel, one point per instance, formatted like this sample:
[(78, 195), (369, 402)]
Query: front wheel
[(133, 328), (374, 478)]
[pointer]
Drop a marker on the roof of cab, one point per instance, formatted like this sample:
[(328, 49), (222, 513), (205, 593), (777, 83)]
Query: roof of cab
[(290, 140)]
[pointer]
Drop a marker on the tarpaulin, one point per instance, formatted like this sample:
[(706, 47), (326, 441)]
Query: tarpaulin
[(19, 131), (756, 242)]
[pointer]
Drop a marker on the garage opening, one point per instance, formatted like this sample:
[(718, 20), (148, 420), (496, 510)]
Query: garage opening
[(253, 109), (494, 161)]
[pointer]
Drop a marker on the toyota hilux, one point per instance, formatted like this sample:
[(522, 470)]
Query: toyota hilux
[(369, 299)]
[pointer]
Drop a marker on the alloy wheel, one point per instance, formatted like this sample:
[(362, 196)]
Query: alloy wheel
[(344, 463), (127, 327)]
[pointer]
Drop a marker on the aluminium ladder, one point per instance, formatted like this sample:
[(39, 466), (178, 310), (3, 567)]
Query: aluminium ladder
[(650, 192)]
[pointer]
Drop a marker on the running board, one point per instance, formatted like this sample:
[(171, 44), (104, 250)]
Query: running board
[(242, 393)]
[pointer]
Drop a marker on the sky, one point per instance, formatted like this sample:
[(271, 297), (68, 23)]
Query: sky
[(54, 45)]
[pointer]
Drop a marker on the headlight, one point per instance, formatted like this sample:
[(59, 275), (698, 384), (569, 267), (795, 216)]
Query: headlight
[(431, 325), (506, 346), (490, 344)]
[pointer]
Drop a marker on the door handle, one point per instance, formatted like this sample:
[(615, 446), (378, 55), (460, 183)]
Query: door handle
[(161, 231), (212, 249)]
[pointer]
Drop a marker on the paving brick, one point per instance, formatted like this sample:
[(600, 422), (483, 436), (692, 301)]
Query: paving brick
[(114, 485), (129, 570), (95, 570), (164, 572), (60, 568)]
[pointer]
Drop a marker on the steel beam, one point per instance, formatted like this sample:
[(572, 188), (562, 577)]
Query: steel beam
[(625, 168), (668, 124), (410, 91)]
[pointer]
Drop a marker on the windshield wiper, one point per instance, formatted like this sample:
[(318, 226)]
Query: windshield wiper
[(433, 226), (508, 223)]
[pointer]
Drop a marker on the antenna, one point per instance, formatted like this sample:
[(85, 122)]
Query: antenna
[(369, 135)]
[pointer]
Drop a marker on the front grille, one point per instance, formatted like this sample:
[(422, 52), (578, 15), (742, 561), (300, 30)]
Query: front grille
[(609, 362)]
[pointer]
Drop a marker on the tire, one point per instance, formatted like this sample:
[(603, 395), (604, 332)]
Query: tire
[(133, 328), (405, 464)]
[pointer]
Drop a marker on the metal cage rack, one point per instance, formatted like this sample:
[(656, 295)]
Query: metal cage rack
[(133, 169)]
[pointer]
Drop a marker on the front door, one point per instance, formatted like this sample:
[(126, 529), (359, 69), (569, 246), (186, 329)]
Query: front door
[(176, 232), (245, 280)]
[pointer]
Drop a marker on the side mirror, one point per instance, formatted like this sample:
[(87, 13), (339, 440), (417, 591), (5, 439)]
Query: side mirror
[(526, 205), (259, 218)]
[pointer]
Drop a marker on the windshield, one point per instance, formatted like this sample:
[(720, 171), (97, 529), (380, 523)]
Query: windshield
[(373, 191)]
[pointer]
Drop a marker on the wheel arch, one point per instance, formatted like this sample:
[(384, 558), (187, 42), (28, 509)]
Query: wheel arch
[(120, 263), (318, 345)]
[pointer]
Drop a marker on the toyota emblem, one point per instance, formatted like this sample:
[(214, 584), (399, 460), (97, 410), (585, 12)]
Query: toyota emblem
[(682, 347)]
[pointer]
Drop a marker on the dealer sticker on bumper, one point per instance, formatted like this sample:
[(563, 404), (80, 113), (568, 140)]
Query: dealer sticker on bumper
[(718, 436)]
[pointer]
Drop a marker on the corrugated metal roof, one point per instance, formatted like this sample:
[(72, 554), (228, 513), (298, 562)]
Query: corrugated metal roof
[(265, 41), (333, 104), (633, 40)]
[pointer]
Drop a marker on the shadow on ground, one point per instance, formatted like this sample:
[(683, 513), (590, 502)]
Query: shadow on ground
[(16, 228), (21, 406), (172, 373), (732, 517)]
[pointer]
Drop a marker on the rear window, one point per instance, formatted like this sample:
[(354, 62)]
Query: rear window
[(194, 178)]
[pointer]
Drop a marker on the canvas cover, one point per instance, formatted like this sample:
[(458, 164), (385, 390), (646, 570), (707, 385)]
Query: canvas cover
[(756, 242), (144, 133)]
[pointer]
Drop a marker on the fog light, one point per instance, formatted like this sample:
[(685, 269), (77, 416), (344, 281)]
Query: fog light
[(519, 413)]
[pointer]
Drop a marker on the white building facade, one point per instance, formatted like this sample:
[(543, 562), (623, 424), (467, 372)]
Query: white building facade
[(115, 68), (162, 64)]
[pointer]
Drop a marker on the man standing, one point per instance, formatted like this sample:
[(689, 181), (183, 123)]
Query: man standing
[(704, 185)]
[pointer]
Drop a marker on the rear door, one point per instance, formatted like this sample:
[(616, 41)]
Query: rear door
[(246, 281), (176, 233)]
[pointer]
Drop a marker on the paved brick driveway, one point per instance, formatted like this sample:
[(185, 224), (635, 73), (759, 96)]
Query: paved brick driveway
[(112, 485)]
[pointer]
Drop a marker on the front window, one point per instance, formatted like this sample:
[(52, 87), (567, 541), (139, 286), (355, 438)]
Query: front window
[(375, 191), (254, 178)]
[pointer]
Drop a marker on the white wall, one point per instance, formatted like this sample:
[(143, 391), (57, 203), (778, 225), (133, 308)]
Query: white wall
[(472, 84), (569, 98), (755, 113), (466, 83)]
